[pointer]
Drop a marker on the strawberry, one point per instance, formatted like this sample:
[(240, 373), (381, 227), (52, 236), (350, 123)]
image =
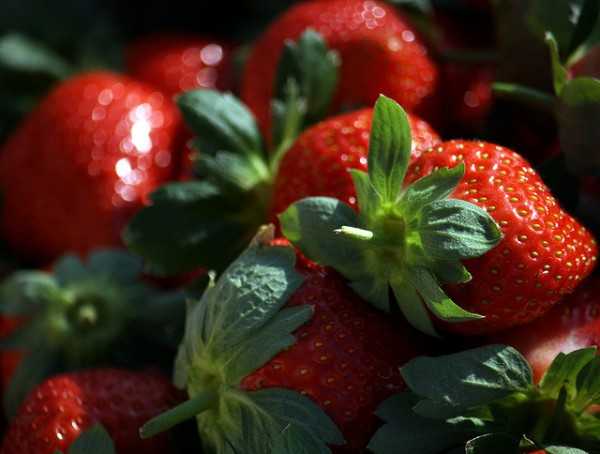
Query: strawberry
[(571, 325), (271, 346), (318, 162), (79, 315), (241, 185), (83, 162), (485, 400), (418, 220), (64, 406), (177, 63), (380, 53)]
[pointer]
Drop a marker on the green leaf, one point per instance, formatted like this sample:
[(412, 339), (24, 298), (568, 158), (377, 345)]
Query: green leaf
[(189, 225), (454, 229), (389, 148), (314, 68), (413, 308), (23, 54), (24, 292), (33, 368), (115, 264), (220, 122), (405, 431), (588, 385), (69, 268), (563, 450), (95, 440), (433, 187), (494, 443), (436, 300), (368, 199), (231, 172), (564, 370), (375, 290), (310, 225), (560, 75), (470, 378), (578, 115)]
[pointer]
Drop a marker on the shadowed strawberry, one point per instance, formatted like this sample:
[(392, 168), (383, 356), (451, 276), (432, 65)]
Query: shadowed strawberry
[(419, 220), (80, 315), (380, 52), (65, 406), (571, 325), (178, 63), (275, 354), (83, 162), (485, 401)]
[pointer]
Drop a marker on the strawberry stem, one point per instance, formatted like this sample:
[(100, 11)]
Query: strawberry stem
[(187, 410), (529, 96), (355, 233)]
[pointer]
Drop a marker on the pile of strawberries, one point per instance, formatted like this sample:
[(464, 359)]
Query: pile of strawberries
[(287, 247)]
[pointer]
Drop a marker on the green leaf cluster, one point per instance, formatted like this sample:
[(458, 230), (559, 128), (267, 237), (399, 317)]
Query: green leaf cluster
[(484, 401), (411, 239)]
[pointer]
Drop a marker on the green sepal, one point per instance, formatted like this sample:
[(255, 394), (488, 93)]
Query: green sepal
[(563, 450), (220, 122), (189, 225), (22, 54), (307, 77), (559, 72), (470, 378), (95, 440), (412, 307), (38, 363), (493, 443), (23, 292), (588, 385), (454, 229), (389, 149), (311, 223), (564, 370), (240, 324), (368, 198)]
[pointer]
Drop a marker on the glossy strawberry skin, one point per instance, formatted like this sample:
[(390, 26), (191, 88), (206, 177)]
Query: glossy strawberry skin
[(571, 325), (177, 63), (61, 408), (380, 53), (544, 253), (83, 162), (346, 358), (318, 163)]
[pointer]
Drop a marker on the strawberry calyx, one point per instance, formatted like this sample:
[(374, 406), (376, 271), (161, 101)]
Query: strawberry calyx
[(209, 221), (411, 239), (95, 440), (80, 314), (238, 325), (484, 401)]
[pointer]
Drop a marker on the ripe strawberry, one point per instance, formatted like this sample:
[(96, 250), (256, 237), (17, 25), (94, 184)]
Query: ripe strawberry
[(545, 252), (571, 325), (379, 50), (83, 162), (343, 356), (318, 163), (64, 406), (176, 63), (241, 185), (419, 220)]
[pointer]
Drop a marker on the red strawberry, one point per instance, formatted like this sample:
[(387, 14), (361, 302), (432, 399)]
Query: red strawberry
[(545, 252), (571, 325), (176, 63), (419, 219), (318, 163), (64, 406), (83, 162), (345, 359), (379, 49)]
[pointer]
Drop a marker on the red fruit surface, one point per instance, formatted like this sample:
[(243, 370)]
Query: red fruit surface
[(177, 63), (61, 408), (318, 163), (588, 65), (571, 325), (346, 358), (83, 162), (379, 49), (544, 253)]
